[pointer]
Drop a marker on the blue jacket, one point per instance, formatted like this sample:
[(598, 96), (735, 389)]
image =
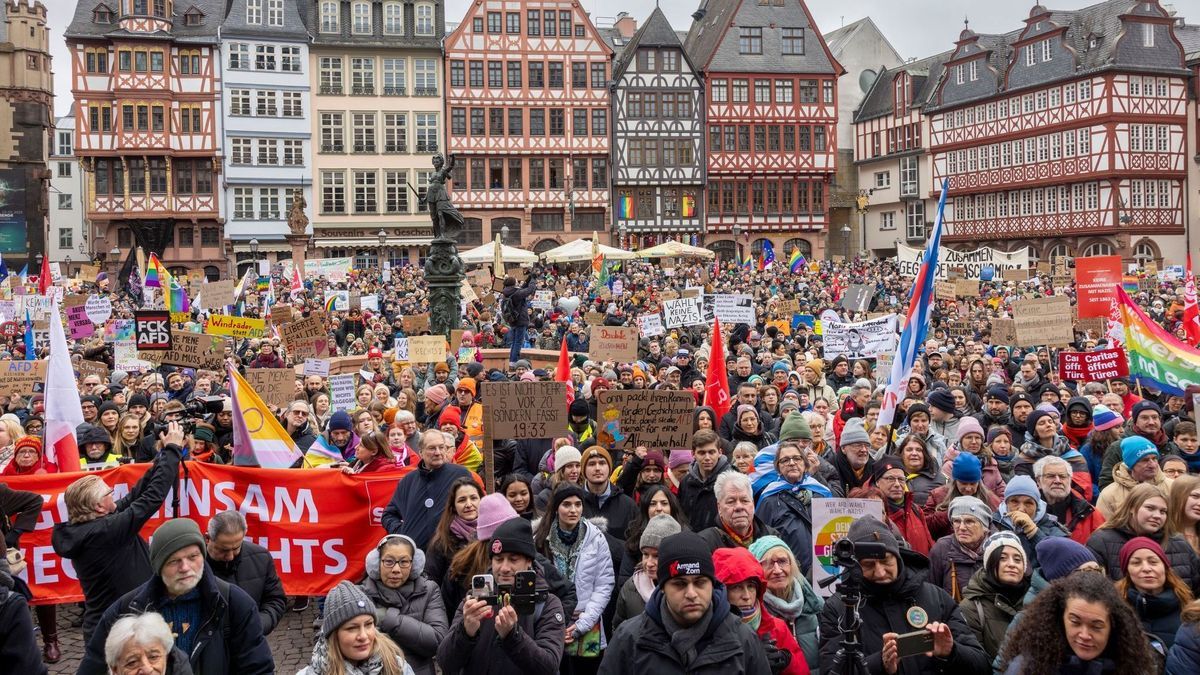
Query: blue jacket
[(1184, 656), (419, 500)]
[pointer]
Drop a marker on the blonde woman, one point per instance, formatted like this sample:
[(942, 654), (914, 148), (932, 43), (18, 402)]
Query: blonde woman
[(10, 433), (129, 435), (351, 642)]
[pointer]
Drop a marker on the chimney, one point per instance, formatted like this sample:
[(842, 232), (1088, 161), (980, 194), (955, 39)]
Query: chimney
[(626, 25)]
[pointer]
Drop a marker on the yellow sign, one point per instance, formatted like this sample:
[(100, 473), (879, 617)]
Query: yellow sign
[(235, 326)]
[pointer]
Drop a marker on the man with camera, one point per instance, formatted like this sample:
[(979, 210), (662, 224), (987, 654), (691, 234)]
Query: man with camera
[(510, 623), (908, 626)]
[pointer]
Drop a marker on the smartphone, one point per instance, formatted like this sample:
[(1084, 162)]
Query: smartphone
[(914, 643), (483, 586)]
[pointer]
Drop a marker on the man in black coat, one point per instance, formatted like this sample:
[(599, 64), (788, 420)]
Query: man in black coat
[(601, 497), (893, 590), (696, 491), (247, 565), (215, 623), (420, 497), (517, 314), (102, 538)]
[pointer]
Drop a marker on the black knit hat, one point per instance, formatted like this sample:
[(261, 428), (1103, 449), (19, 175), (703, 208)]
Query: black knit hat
[(513, 536), (561, 493), (915, 409), (885, 464), (683, 554), (942, 400)]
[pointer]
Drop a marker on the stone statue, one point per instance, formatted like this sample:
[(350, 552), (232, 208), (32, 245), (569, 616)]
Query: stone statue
[(297, 221), (447, 221)]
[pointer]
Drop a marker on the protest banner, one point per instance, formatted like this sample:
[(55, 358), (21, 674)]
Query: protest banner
[(731, 309), (80, 325), (415, 324), (426, 348), (1043, 321), (864, 339), (542, 300), (217, 294), (656, 418), (594, 318), (613, 343), (337, 301), (972, 263), (651, 325), (336, 270), (683, 312), (99, 308), (944, 291), (857, 298), (276, 386), (1004, 332), (235, 326), (306, 338), (316, 367), (152, 329), (97, 368), (831, 520), (787, 307), (19, 377), (318, 525), (519, 410), (1096, 279), (190, 350), (1098, 366), (341, 391), (966, 288)]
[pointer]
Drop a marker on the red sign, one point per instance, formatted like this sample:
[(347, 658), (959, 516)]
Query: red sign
[(153, 329), (318, 525), (9, 329), (1097, 366), (1096, 279)]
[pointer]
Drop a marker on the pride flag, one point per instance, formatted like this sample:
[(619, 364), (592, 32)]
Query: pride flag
[(322, 453), (748, 263), (258, 438), (1156, 359), (177, 297), (263, 284), (625, 207), (156, 273), (1129, 283), (330, 302), (796, 261)]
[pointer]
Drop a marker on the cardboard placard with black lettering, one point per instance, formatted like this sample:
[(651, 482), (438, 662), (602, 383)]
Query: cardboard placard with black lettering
[(19, 377), (152, 329), (415, 324), (306, 338), (190, 350), (656, 418), (521, 410), (276, 386), (1043, 321)]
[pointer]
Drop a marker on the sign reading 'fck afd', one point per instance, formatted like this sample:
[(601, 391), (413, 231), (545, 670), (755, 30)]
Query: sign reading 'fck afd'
[(153, 330)]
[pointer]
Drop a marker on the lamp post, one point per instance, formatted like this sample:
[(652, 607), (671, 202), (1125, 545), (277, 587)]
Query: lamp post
[(624, 230), (846, 239), (115, 256), (737, 239), (68, 261), (383, 249)]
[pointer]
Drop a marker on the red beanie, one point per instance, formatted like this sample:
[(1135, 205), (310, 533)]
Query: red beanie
[(451, 415), (1138, 543)]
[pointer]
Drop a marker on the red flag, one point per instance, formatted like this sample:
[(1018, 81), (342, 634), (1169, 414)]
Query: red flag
[(1191, 313), (563, 372), (716, 381), (44, 277), (297, 284)]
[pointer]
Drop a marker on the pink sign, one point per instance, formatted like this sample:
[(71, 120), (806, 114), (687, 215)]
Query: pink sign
[(81, 326)]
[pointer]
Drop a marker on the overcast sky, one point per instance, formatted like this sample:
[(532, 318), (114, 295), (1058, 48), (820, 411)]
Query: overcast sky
[(916, 28)]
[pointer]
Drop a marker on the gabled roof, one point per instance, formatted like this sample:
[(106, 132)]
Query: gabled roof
[(707, 38), (1189, 36), (655, 32), (234, 24), (838, 40), (82, 25), (925, 74)]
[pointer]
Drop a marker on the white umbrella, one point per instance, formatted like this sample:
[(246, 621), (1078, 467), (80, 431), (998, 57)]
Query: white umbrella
[(675, 249), (580, 250), (486, 254)]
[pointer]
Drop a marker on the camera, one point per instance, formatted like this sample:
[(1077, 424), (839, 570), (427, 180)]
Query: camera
[(521, 595), (199, 407), (847, 553)]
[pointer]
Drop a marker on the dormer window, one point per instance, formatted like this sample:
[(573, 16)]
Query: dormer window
[(193, 17), (102, 14)]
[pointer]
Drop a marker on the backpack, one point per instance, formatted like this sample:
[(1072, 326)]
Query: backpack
[(507, 312)]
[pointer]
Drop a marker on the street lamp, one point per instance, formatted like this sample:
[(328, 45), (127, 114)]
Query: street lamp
[(254, 255), (846, 238), (115, 256), (623, 229), (382, 251), (737, 239)]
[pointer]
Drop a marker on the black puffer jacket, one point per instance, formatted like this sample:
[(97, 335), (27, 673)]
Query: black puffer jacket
[(18, 647), (1106, 542), (698, 497), (253, 571)]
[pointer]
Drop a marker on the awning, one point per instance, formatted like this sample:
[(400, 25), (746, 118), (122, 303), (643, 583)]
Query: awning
[(370, 242)]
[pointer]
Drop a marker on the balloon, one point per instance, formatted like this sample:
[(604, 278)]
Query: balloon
[(987, 273), (569, 305)]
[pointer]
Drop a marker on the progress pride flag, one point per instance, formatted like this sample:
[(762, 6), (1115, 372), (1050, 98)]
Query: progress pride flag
[(318, 525), (1096, 366)]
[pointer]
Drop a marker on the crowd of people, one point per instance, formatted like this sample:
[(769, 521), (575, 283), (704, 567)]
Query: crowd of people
[(1025, 524)]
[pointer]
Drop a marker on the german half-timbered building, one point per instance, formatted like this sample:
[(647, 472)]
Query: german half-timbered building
[(527, 99), (658, 139), (771, 118), (1067, 135), (145, 76)]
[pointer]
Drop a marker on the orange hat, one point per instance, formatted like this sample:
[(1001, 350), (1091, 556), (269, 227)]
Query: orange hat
[(389, 415), (468, 384)]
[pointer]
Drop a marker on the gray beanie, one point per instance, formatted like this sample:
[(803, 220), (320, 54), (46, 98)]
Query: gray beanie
[(659, 527), (870, 529), (344, 602), (854, 432), (971, 506), (170, 537)]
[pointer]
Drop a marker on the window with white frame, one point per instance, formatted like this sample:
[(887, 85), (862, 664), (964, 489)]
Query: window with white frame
[(274, 12), (424, 18), (908, 176), (239, 151), (293, 152), (66, 237), (239, 101), (974, 70), (395, 132), (1047, 49), (64, 169), (64, 203), (331, 19), (362, 75), (1164, 194), (254, 12), (1085, 141), (332, 132), (330, 72), (1085, 90), (293, 104), (239, 56), (265, 103), (395, 196), (425, 77), (887, 220), (427, 132), (1163, 136), (393, 18), (914, 219), (360, 13), (958, 74), (267, 153), (1093, 196), (883, 179), (1144, 253), (1147, 35), (366, 191), (243, 203), (395, 77), (289, 59), (268, 204), (363, 125), (333, 192), (1030, 56), (264, 57)]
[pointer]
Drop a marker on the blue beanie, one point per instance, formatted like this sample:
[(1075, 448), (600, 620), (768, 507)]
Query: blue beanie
[(967, 468), (779, 365), (340, 421), (1134, 448), (1059, 556), (1022, 486)]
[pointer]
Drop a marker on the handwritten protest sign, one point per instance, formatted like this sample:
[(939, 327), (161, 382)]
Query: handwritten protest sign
[(217, 294), (943, 291), (276, 386), (235, 326), (426, 348), (518, 410), (337, 301), (306, 338), (831, 520), (1043, 321), (683, 312), (96, 368), (651, 325), (316, 367), (18, 377), (864, 339), (416, 324), (88, 273), (341, 389), (99, 308), (655, 418), (79, 323), (1097, 366), (966, 288), (787, 307), (190, 350), (401, 350), (731, 308), (613, 343), (1004, 332)]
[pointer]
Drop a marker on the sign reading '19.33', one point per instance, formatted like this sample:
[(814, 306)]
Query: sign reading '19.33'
[(153, 329), (526, 409)]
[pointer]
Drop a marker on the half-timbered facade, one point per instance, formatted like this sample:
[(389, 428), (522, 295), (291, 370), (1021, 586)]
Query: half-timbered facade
[(658, 137), (145, 75), (267, 131), (771, 119), (1067, 135), (375, 70), (527, 99), (1189, 36)]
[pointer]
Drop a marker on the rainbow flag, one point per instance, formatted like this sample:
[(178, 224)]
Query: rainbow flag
[(796, 261), (156, 273), (176, 298), (258, 438), (748, 263), (689, 206), (625, 207), (1156, 359), (330, 302), (1129, 283), (263, 284)]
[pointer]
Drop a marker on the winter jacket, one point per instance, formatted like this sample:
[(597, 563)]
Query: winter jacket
[(18, 647), (951, 565), (617, 509), (734, 569), (923, 482), (988, 612), (790, 515), (819, 390), (1106, 545), (229, 639), (438, 559), (518, 298), (992, 477), (1159, 614), (594, 579), (727, 647), (1112, 454), (883, 609), (1032, 451), (413, 617), (304, 437), (1071, 666), (533, 647), (109, 555), (1114, 494), (419, 500), (697, 496), (716, 537), (1184, 656), (19, 513), (1079, 517), (909, 519), (1047, 526), (938, 520), (253, 571), (630, 602)]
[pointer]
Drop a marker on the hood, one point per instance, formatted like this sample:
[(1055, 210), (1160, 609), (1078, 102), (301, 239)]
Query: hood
[(735, 565), (1122, 477), (1081, 403), (711, 413), (1001, 514), (694, 472), (983, 588)]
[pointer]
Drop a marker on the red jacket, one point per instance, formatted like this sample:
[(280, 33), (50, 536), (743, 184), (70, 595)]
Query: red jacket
[(735, 565)]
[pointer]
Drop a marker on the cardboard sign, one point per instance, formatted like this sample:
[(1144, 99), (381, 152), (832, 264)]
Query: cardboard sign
[(191, 350), (651, 325), (85, 368), (732, 308), (276, 386), (1017, 275), (306, 338), (235, 326), (613, 343), (944, 291), (152, 329), (341, 391), (966, 288), (1043, 321), (19, 377), (217, 294), (517, 410), (1004, 331), (656, 418), (89, 273), (316, 367), (788, 307), (1097, 366), (960, 329), (543, 300), (1093, 327), (78, 322), (468, 292), (426, 348), (593, 318), (683, 312), (416, 324)]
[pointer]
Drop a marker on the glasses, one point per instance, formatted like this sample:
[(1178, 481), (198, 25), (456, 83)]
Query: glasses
[(1056, 476), (787, 461), (964, 522), (389, 563), (300, 413), (891, 479)]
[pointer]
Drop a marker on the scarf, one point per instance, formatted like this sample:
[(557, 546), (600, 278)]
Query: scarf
[(1158, 438), (751, 617), (788, 610), (684, 640), (565, 547), (643, 584), (319, 664), (741, 541), (1076, 436), (463, 529), (767, 481)]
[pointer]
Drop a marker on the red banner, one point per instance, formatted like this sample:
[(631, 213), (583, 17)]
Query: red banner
[(1095, 279), (1097, 366), (318, 524)]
